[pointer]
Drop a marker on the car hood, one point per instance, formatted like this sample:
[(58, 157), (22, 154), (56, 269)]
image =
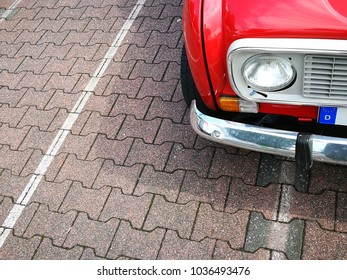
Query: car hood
[(225, 21), (285, 18)]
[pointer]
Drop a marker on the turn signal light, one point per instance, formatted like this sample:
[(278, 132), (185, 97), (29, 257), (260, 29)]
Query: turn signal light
[(235, 104)]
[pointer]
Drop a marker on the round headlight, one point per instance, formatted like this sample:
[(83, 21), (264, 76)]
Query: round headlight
[(267, 73)]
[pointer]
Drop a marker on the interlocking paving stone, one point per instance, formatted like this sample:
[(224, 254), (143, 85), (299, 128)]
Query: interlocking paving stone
[(223, 251), (253, 198), (37, 139), (165, 109), (168, 54), (12, 185), (328, 177), (155, 155), (10, 96), (12, 136), (35, 160), (10, 80), (162, 89), (7, 49), (221, 225), (26, 13), (10, 64), (82, 38), (54, 49), (190, 159), (51, 37), (100, 240), (27, 215), (89, 254), (39, 118), (63, 67), (244, 167), (71, 12), (47, 251), (130, 106), (284, 237), (78, 145), (15, 161), (117, 176), (26, 24), (79, 170), (51, 194), (50, 224), (322, 244), (86, 200), (131, 127), (120, 206), (30, 37), (166, 184), (61, 117), (175, 248), (49, 25), (35, 98), (6, 204), (135, 243), (100, 24), (275, 255), (27, 248), (38, 82), (30, 64), (34, 51), (110, 149), (146, 54), (65, 83), (127, 88), (101, 104), (212, 191), (341, 215), (272, 170), (178, 217), (318, 208), (102, 125), (78, 51), (45, 12), (172, 71), (78, 25), (179, 133)]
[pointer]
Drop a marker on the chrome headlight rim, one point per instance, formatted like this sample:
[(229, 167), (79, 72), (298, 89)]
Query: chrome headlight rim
[(261, 57)]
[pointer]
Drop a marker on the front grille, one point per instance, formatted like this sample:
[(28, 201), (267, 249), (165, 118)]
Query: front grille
[(325, 77)]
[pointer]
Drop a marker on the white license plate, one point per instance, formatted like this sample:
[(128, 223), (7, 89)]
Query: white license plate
[(333, 115)]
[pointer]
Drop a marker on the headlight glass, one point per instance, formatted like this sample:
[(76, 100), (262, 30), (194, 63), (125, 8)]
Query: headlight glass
[(268, 73)]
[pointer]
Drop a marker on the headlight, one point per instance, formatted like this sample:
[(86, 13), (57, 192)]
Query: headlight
[(267, 73)]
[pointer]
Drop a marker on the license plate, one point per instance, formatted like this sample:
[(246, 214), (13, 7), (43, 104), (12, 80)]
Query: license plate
[(333, 115)]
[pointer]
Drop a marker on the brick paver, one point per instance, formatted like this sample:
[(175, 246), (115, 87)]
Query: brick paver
[(132, 180)]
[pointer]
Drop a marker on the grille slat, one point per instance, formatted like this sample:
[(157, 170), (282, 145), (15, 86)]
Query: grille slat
[(325, 77)]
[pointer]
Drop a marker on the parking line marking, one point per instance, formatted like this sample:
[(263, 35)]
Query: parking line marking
[(64, 131), (9, 11)]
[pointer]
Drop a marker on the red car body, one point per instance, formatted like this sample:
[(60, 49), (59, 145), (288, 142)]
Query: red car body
[(211, 27)]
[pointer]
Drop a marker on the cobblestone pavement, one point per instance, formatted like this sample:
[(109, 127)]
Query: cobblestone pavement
[(132, 180)]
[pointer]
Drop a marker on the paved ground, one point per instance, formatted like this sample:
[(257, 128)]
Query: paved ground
[(131, 180)]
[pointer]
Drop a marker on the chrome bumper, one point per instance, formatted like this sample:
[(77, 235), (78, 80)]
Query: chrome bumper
[(266, 140)]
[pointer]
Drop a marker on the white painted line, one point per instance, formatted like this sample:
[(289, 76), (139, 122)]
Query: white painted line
[(64, 131), (8, 11)]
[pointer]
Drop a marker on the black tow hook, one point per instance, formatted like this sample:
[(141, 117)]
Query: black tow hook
[(304, 161)]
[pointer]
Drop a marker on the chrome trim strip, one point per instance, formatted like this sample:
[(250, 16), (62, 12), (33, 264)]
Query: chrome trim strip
[(291, 45), (265, 140)]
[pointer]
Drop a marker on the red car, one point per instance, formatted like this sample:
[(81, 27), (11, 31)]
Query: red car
[(268, 75)]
